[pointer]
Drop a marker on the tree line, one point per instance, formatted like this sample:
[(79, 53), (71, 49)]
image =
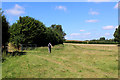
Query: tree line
[(116, 39), (101, 40), (28, 30)]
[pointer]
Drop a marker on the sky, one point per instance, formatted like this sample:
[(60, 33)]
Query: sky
[(80, 20)]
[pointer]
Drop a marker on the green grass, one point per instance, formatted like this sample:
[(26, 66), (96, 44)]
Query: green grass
[(65, 61)]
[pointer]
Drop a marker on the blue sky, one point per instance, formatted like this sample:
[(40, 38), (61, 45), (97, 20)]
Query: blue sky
[(80, 20), (60, 0)]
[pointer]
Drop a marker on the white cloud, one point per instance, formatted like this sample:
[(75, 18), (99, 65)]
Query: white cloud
[(66, 37), (117, 5), (116, 26), (61, 8), (75, 34), (17, 10), (93, 12), (80, 34), (108, 27), (86, 33), (82, 30), (92, 20), (107, 34), (18, 7)]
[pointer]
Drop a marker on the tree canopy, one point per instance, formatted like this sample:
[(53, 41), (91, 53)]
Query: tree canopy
[(59, 30), (102, 38), (5, 33), (117, 34), (27, 30)]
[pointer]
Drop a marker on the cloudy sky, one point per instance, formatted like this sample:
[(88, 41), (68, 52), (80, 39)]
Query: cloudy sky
[(80, 20)]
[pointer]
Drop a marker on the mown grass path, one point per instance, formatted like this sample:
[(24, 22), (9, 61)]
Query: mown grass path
[(65, 61)]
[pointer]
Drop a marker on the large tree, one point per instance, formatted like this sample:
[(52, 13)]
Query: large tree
[(0, 27), (53, 36), (59, 30), (27, 30), (117, 34), (5, 33), (4, 29)]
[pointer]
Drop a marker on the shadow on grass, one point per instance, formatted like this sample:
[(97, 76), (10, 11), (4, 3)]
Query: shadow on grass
[(15, 53)]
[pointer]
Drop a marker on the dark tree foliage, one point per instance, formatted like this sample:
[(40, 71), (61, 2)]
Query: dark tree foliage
[(117, 34), (102, 38), (52, 36), (27, 30), (5, 33), (0, 27), (58, 29)]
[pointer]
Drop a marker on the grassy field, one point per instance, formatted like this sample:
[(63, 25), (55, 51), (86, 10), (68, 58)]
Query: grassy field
[(65, 61)]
